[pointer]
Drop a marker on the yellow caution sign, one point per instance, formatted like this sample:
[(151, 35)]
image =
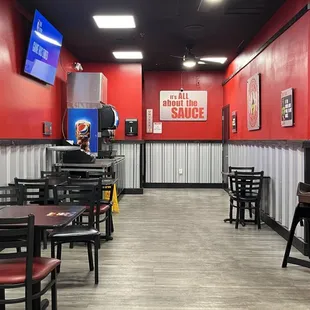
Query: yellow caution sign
[(115, 207)]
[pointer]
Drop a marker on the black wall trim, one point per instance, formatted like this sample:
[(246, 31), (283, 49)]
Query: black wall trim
[(183, 185), (289, 24), (133, 191), (129, 141), (283, 232), (6, 142), (183, 141), (283, 143)]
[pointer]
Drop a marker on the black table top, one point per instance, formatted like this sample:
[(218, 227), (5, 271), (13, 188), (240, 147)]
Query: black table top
[(231, 174), (47, 216), (52, 181)]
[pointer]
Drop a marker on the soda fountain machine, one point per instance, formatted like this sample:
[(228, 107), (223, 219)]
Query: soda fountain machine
[(91, 121)]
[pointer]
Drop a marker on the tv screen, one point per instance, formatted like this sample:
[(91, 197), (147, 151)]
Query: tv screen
[(43, 50)]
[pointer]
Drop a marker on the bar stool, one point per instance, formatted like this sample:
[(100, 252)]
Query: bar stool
[(302, 212)]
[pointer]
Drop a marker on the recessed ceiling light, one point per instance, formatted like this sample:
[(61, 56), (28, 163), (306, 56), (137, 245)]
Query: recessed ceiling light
[(128, 55), (115, 21), (220, 60), (189, 63), (214, 1)]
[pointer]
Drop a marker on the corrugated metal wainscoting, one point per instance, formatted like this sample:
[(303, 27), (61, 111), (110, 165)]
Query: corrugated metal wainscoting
[(183, 162), (132, 152), (285, 166), (24, 161)]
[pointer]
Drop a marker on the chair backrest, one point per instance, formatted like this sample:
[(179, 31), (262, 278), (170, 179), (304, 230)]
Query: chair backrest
[(10, 195), (88, 181), (249, 184), (18, 233), (33, 190), (106, 194), (232, 169), (56, 174), (82, 195)]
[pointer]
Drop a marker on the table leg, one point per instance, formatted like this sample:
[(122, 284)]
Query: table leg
[(36, 288)]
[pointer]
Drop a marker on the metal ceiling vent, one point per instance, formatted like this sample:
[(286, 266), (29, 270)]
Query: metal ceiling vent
[(245, 7), (194, 31)]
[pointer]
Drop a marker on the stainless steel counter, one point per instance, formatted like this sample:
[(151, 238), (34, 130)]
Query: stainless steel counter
[(99, 163), (113, 165)]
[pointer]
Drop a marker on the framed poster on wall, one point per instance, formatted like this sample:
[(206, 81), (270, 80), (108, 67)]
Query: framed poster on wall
[(253, 102), (176, 105), (287, 108), (234, 121)]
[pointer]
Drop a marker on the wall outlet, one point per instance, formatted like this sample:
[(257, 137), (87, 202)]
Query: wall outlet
[(180, 171)]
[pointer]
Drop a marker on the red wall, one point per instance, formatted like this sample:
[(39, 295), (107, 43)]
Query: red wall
[(124, 92), (154, 82), (26, 103), (282, 65)]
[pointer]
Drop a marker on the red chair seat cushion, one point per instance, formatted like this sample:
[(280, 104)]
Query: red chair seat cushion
[(103, 209), (13, 271)]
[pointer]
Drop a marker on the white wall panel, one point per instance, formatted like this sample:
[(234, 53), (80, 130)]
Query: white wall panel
[(285, 167), (24, 161), (200, 162), (132, 163)]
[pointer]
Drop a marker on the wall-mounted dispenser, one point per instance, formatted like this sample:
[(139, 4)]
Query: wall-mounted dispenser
[(131, 127)]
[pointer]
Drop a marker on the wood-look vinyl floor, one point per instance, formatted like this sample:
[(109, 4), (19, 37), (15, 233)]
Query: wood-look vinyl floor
[(172, 251)]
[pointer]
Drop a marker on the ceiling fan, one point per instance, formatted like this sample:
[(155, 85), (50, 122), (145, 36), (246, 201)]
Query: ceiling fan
[(190, 60)]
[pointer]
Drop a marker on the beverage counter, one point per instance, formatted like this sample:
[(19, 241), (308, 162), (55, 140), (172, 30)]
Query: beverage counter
[(112, 166)]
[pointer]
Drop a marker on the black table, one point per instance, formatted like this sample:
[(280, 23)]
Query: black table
[(42, 222), (52, 181)]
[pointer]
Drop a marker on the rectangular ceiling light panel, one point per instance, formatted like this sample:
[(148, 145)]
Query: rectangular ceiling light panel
[(128, 55), (220, 60), (115, 21)]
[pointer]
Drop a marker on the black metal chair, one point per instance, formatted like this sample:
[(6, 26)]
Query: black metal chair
[(22, 269), (232, 186), (103, 207), (85, 195), (248, 193), (10, 195), (105, 175), (34, 191), (232, 183)]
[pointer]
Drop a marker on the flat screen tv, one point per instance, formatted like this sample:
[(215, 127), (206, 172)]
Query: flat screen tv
[(43, 50)]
